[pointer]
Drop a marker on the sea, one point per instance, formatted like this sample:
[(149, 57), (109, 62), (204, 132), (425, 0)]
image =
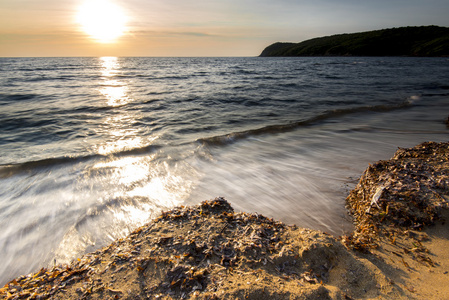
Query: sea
[(92, 148)]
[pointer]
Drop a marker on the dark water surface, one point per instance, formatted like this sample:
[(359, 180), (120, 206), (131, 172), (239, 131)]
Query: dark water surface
[(91, 148)]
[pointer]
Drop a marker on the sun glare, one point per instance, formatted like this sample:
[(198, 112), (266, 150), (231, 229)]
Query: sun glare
[(102, 20)]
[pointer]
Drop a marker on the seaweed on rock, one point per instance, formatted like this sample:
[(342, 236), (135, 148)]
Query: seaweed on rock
[(407, 191)]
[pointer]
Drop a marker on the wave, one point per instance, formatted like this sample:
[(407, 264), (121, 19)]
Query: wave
[(37, 79), (18, 97), (436, 95), (17, 123), (9, 170), (281, 128)]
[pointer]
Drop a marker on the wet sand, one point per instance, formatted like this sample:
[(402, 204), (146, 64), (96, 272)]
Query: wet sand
[(398, 249)]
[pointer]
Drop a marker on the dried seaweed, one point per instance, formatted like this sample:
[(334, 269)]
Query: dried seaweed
[(216, 241), (406, 192)]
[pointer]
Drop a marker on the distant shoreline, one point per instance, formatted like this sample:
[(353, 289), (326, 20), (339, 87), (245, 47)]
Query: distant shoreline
[(423, 41)]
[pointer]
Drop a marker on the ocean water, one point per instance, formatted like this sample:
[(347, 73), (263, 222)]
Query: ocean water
[(91, 148)]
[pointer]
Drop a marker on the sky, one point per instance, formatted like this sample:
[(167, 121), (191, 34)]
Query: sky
[(194, 27)]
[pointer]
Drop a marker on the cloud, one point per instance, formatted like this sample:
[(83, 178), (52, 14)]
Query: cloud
[(169, 33), (186, 33)]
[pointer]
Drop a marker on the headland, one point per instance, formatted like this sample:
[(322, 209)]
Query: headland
[(403, 41)]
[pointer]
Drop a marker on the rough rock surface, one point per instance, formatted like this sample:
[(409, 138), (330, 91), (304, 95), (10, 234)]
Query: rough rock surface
[(408, 191)]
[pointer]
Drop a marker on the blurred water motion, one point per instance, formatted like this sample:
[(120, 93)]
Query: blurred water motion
[(92, 148)]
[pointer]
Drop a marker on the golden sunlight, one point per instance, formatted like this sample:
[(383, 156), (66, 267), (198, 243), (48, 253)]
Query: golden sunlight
[(116, 92), (102, 20)]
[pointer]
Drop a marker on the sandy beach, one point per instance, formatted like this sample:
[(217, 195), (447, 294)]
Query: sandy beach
[(398, 249)]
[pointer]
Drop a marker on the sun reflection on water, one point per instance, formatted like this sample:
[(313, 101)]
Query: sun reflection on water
[(119, 145), (110, 65), (127, 170), (134, 187), (118, 128), (116, 95), (115, 91)]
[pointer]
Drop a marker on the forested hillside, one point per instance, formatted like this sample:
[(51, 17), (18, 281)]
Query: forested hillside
[(403, 41)]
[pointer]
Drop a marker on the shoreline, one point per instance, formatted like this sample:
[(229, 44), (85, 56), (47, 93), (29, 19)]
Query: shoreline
[(208, 251)]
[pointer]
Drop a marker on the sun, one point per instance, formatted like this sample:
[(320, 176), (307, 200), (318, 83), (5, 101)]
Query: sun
[(102, 20)]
